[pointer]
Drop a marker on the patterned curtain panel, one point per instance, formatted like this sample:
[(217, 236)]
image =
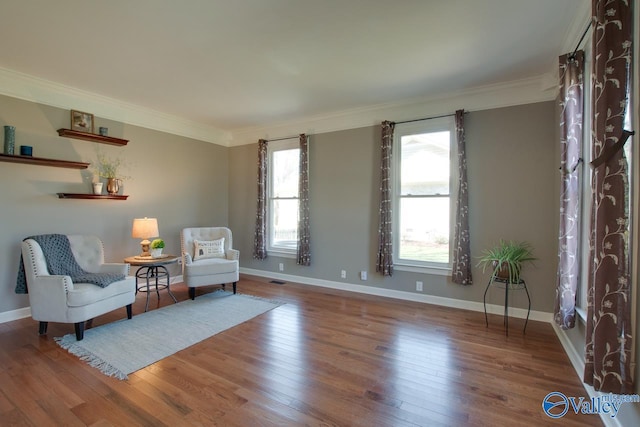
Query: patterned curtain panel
[(304, 251), (461, 272), (571, 112), (609, 341), (384, 261), (260, 238)]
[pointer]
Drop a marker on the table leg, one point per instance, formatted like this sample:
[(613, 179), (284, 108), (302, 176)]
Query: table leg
[(140, 273), (486, 319), (156, 274), (168, 288), (146, 306), (506, 308), (528, 309)]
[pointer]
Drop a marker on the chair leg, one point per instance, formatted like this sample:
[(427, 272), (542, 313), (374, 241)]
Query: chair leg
[(129, 311), (79, 330), (192, 293), (43, 328), (223, 286), (88, 324), (234, 287)]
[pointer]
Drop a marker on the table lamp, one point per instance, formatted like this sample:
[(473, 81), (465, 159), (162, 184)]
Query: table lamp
[(145, 228)]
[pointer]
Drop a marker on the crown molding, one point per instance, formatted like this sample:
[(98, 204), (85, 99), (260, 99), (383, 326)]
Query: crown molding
[(34, 89), (517, 92)]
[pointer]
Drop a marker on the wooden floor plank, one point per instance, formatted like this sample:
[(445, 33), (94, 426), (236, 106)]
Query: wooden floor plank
[(325, 358), (98, 410), (28, 405)]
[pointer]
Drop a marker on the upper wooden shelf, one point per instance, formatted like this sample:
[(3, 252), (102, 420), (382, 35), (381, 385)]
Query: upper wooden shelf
[(76, 134), (43, 162), (91, 196)]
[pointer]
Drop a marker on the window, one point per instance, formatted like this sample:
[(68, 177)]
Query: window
[(282, 193), (423, 199)]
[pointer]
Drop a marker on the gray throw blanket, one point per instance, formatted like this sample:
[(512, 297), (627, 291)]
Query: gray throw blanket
[(61, 262)]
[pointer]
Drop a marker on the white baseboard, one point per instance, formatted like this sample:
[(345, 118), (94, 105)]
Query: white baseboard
[(20, 313), (403, 295)]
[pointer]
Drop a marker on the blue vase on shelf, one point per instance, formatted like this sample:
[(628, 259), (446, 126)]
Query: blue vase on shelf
[(9, 139)]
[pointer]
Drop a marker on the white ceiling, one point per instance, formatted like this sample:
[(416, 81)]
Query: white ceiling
[(240, 64)]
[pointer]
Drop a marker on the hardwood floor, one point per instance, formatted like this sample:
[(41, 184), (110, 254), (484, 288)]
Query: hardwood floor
[(325, 358)]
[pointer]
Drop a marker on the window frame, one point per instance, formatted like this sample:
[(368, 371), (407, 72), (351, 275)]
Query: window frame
[(420, 127), (584, 183), (288, 251)]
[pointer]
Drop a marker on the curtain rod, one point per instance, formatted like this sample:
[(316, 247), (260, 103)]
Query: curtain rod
[(573, 55), (282, 139), (426, 118), (395, 123)]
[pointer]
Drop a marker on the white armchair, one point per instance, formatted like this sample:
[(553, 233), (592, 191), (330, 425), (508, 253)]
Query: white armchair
[(208, 258), (58, 299)]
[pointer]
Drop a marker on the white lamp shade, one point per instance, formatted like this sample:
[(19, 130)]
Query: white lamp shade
[(145, 228)]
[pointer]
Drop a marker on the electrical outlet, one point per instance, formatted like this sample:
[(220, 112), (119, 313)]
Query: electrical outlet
[(281, 267), (363, 275), (419, 286), (343, 274)]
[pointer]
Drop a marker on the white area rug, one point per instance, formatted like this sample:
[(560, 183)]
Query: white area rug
[(123, 347)]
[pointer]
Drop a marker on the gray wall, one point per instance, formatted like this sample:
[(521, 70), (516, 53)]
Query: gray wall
[(182, 182), (201, 183), (512, 184)]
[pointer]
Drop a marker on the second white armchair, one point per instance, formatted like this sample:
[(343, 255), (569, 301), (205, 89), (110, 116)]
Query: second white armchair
[(208, 258)]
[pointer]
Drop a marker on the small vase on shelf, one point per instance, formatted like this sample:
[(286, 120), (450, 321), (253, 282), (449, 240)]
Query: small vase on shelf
[(113, 186), (97, 188), (9, 140)]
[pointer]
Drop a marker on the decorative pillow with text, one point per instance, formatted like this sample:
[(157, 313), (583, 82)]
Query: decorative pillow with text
[(209, 249)]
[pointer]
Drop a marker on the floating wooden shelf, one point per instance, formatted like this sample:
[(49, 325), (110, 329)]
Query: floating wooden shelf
[(91, 196), (76, 134), (43, 162)]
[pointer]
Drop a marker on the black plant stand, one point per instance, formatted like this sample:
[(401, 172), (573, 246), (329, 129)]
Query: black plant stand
[(507, 286)]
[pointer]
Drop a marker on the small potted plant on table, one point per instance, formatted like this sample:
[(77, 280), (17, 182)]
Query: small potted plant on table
[(156, 248)]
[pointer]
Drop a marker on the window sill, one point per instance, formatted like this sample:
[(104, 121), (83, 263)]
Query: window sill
[(281, 253), (582, 313), (437, 271)]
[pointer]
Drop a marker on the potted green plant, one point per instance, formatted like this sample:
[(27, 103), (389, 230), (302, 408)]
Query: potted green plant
[(156, 248), (506, 259)]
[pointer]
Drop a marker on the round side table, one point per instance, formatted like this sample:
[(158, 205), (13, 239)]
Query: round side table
[(153, 269)]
